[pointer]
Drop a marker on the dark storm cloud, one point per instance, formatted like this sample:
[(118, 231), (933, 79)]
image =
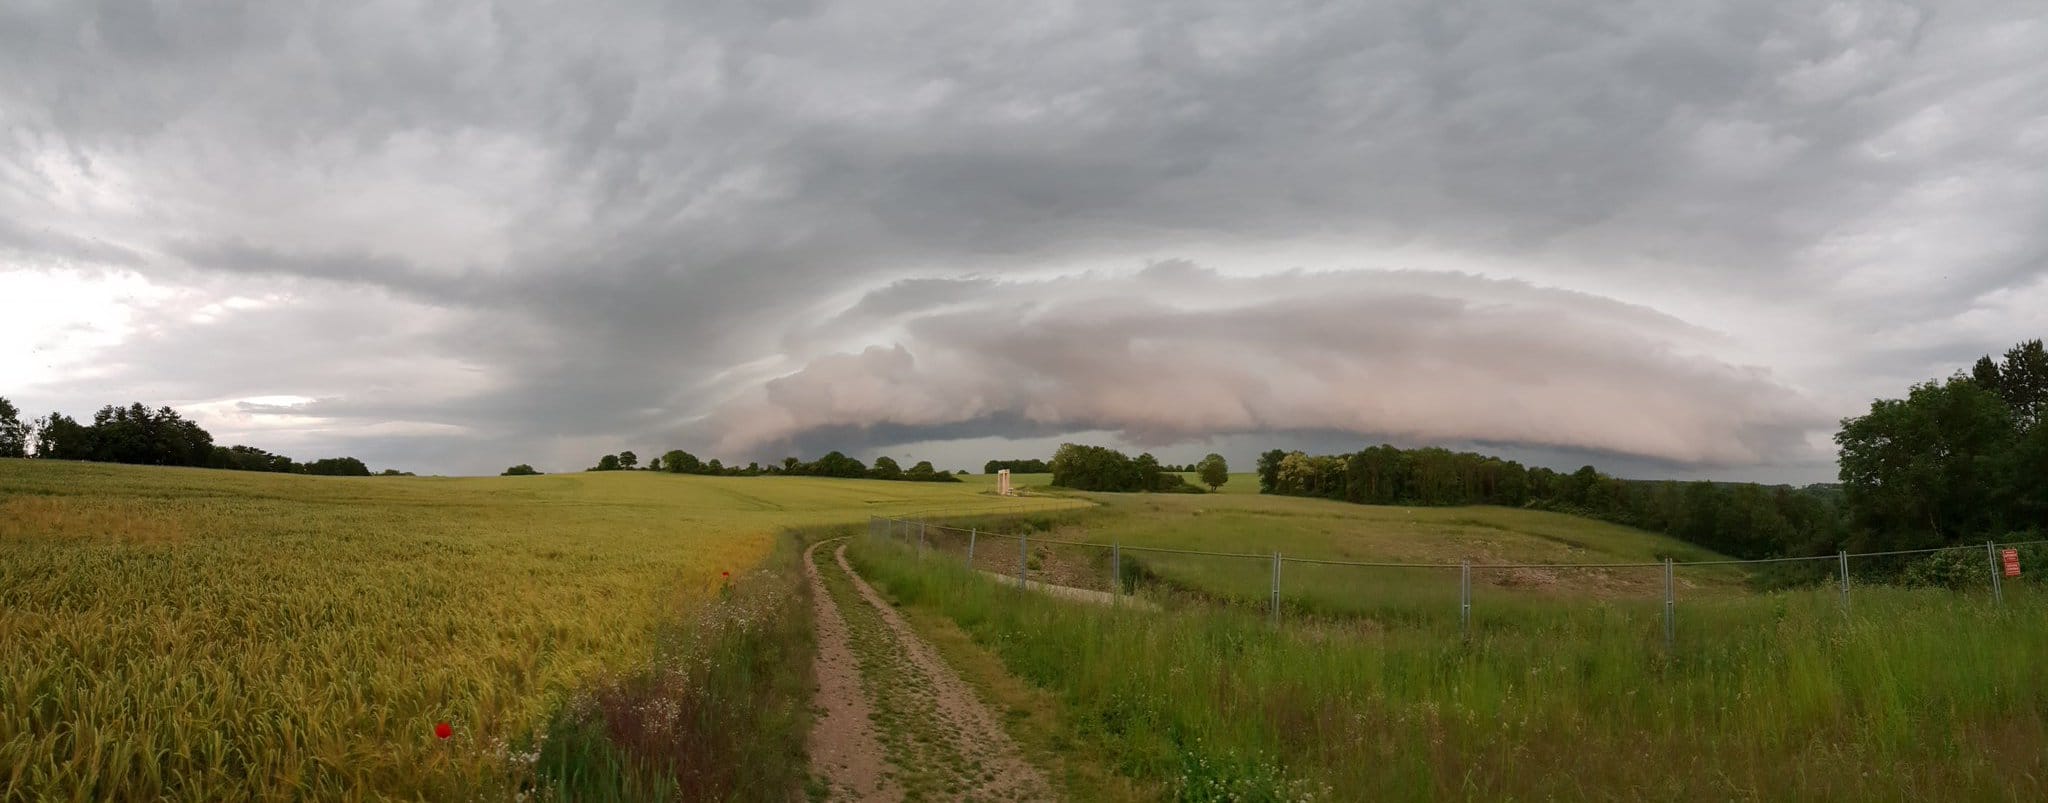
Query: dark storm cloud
[(587, 227)]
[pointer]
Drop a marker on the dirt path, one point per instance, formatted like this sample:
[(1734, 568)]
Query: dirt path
[(845, 755), (937, 741)]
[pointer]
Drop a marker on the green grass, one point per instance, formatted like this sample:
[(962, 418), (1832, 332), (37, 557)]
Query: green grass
[(1300, 528), (206, 634), (1238, 484), (1915, 695)]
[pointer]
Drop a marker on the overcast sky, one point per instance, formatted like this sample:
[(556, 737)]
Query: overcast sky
[(1670, 238)]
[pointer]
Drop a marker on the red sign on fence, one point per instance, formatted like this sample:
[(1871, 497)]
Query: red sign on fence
[(2012, 563)]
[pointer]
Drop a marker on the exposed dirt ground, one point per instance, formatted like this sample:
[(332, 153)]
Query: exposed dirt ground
[(917, 731), (846, 757)]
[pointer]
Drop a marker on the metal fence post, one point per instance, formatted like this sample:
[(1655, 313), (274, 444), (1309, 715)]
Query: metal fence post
[(1465, 599), (971, 533), (1116, 572), (920, 540), (1023, 561), (1276, 589), (1997, 584), (1670, 608), (1843, 556)]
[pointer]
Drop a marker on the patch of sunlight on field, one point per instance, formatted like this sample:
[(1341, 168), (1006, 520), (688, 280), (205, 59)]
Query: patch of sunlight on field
[(215, 634)]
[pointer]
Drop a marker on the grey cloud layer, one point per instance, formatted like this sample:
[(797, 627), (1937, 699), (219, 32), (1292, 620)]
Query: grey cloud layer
[(582, 225)]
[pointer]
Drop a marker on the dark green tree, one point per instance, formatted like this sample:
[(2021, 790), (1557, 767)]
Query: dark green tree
[(835, 464), (14, 434), (250, 458), (608, 462), (885, 468), (628, 460), (1985, 374), (2023, 382), (1269, 471), (521, 470), (1929, 469), (337, 467), (678, 461), (59, 437), (1215, 471)]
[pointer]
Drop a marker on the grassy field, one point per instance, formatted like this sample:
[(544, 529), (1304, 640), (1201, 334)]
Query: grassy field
[(1914, 694), (211, 635), (1239, 483), (1253, 527)]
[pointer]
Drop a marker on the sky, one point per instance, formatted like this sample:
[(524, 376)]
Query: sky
[(1671, 239)]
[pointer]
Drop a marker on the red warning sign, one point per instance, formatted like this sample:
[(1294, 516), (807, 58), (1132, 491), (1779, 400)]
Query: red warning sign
[(2012, 563)]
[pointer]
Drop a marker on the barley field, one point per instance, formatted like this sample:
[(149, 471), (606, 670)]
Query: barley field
[(198, 634)]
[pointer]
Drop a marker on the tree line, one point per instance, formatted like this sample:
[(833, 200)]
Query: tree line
[(1099, 468), (833, 464), (138, 435), (1957, 461), (1031, 466), (1741, 519)]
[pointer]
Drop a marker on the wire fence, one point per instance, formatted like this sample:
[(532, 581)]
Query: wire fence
[(1150, 576)]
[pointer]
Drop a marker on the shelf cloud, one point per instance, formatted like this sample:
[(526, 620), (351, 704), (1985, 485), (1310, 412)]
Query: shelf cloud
[(463, 235)]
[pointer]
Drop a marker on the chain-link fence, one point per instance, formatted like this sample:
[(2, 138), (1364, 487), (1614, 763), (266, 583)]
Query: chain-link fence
[(1044, 549)]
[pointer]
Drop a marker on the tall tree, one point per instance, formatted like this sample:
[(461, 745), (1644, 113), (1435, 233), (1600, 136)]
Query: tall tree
[(608, 462), (1214, 470), (13, 433), (1929, 469), (885, 468), (59, 437), (628, 460), (1985, 374), (1269, 471), (2023, 382)]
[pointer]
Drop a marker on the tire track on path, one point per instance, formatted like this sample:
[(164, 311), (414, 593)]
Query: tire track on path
[(845, 755), (940, 740)]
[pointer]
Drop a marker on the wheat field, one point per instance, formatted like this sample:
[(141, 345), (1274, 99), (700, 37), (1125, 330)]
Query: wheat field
[(201, 634)]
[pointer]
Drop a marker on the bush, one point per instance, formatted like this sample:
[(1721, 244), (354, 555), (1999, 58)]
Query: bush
[(1954, 569)]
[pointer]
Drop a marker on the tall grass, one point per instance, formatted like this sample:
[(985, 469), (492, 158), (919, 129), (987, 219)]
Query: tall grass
[(1916, 694), (719, 713)]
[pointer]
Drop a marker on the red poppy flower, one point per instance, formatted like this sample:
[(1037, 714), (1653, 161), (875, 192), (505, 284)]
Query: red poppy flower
[(442, 730), (725, 574)]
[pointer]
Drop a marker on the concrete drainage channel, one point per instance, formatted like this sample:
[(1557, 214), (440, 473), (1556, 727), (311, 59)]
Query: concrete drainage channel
[(1103, 598)]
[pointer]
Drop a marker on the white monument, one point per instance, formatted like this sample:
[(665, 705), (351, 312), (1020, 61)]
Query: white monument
[(1003, 482)]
